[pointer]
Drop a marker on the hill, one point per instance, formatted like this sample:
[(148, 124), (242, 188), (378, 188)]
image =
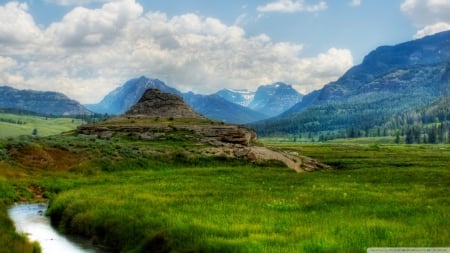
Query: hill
[(161, 116), (41, 102), (389, 81), (12, 125)]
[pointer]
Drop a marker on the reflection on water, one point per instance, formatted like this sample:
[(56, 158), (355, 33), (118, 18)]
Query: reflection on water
[(30, 220)]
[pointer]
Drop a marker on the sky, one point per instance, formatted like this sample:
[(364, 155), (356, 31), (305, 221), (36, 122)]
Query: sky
[(87, 48)]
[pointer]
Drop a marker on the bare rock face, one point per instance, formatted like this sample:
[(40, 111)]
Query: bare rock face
[(155, 103)]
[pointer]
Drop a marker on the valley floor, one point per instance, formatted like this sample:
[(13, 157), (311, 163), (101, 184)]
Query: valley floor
[(376, 196)]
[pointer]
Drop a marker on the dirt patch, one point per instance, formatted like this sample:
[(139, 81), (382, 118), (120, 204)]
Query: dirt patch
[(45, 158)]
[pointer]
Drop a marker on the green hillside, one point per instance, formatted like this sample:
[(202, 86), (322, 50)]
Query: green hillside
[(12, 125)]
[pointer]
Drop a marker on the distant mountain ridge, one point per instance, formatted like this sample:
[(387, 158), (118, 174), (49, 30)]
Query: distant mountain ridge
[(217, 108), (270, 100), (122, 98), (41, 102), (211, 106), (390, 80), (274, 99), (240, 97)]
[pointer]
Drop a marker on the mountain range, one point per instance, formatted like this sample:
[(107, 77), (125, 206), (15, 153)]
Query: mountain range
[(270, 100), (390, 81), (215, 106), (41, 102), (231, 106)]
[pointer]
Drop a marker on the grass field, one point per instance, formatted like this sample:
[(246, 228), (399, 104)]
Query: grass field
[(124, 195), (45, 126)]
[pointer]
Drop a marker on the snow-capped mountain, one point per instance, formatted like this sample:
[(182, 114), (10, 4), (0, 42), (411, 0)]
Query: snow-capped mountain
[(240, 97), (275, 98), (270, 100)]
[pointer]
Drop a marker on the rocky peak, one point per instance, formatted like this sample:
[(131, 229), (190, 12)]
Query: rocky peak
[(155, 103)]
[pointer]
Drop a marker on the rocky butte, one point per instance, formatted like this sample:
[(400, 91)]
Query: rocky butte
[(158, 115)]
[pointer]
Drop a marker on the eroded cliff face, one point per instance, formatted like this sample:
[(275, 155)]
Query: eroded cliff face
[(213, 133)]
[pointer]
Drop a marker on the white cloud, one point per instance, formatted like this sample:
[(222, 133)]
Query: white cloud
[(17, 25), (7, 69), (91, 51), (432, 29), (290, 6), (83, 26), (427, 15), (7, 63)]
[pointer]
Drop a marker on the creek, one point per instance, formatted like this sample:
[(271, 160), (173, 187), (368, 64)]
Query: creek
[(30, 219)]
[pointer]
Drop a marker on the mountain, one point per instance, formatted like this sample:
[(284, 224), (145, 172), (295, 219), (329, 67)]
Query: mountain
[(269, 100), (41, 102), (121, 99), (240, 97), (217, 108), (389, 81), (274, 99), (212, 106)]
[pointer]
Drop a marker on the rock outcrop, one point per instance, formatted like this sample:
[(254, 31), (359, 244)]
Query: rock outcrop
[(213, 134), (155, 103), (160, 116)]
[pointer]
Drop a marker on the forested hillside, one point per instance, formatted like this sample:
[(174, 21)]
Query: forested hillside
[(391, 81)]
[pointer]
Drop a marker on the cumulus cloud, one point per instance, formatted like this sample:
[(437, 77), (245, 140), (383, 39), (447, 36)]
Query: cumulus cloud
[(430, 16), (290, 6), (84, 26), (17, 25), (6, 63), (91, 51), (7, 71), (432, 29)]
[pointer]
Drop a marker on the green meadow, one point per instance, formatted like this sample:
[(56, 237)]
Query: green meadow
[(150, 196), (12, 125)]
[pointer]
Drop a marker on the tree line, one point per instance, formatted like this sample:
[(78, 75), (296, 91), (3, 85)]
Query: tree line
[(13, 121)]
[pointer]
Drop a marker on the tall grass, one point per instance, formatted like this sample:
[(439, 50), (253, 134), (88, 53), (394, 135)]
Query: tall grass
[(137, 196), (380, 197)]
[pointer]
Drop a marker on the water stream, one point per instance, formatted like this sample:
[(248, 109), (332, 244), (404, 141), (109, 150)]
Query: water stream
[(29, 219)]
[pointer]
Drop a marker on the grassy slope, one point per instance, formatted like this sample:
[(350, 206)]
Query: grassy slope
[(45, 127), (379, 196)]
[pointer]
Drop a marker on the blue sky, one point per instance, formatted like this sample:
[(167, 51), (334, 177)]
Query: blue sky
[(87, 48)]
